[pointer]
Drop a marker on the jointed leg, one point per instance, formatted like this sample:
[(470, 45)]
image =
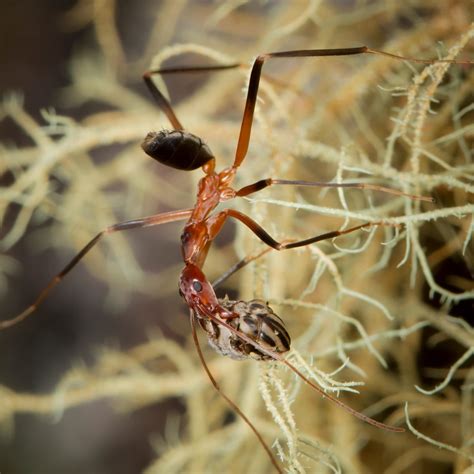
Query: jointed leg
[(161, 99), (264, 183), (247, 119), (240, 264), (216, 222), (267, 239), (157, 219), (219, 219), (243, 263)]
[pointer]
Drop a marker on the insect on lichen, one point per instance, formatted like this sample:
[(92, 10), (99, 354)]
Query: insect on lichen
[(237, 329)]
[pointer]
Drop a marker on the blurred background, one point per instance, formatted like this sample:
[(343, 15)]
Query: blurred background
[(104, 377)]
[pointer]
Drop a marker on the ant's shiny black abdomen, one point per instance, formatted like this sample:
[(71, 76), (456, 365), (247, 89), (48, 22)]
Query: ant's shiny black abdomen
[(178, 149)]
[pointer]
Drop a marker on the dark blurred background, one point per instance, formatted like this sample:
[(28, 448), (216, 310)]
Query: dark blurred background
[(36, 45)]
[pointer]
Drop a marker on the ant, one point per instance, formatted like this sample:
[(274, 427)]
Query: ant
[(237, 329)]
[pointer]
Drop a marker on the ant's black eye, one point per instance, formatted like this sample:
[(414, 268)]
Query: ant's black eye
[(197, 286), (185, 236)]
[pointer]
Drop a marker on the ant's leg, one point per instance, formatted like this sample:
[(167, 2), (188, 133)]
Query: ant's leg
[(247, 119), (217, 221), (157, 219), (243, 263), (263, 235), (161, 99), (264, 183), (226, 398), (214, 225), (240, 264)]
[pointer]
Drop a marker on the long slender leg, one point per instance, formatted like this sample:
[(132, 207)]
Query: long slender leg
[(239, 265), (226, 398), (247, 119), (161, 99), (264, 183), (243, 263), (268, 239), (150, 221), (216, 222)]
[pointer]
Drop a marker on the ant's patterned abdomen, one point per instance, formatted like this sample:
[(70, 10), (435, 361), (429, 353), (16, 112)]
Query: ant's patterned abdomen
[(178, 149), (257, 321)]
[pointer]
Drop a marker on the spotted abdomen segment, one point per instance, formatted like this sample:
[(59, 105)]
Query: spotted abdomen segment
[(257, 321)]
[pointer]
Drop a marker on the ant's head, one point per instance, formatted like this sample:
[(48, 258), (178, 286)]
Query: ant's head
[(178, 149), (195, 289)]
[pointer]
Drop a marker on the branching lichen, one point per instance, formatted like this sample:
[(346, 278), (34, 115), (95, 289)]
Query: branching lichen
[(360, 310)]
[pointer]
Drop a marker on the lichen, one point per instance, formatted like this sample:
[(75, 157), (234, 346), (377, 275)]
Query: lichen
[(363, 310)]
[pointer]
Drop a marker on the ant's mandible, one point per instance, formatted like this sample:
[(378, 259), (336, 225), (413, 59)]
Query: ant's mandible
[(237, 329)]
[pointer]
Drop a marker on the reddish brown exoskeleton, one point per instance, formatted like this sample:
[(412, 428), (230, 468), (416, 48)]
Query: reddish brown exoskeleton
[(234, 328)]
